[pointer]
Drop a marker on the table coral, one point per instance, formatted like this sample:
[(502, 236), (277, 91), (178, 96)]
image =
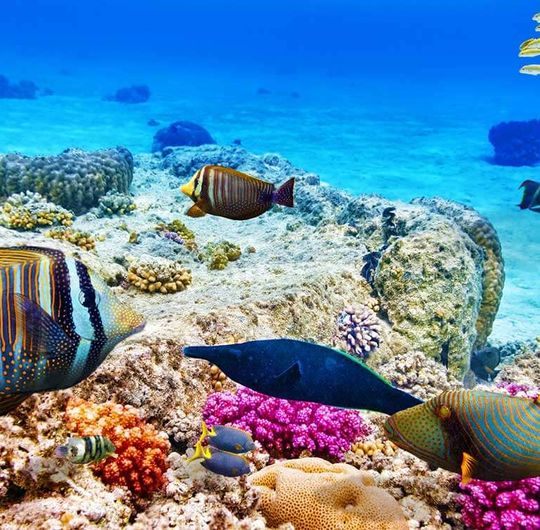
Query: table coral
[(313, 494), (158, 275), (85, 240), (141, 451), (287, 428), (26, 211)]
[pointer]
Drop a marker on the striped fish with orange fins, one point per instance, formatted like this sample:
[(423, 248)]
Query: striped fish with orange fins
[(225, 192), (482, 435), (58, 322)]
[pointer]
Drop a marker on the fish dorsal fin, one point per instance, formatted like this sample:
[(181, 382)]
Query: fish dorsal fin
[(196, 211), (40, 330), (291, 375), (239, 174), (11, 402), (468, 467), (13, 256)]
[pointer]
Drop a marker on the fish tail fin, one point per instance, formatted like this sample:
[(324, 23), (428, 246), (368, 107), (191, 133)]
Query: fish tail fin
[(10, 402), (528, 193), (61, 451), (284, 194)]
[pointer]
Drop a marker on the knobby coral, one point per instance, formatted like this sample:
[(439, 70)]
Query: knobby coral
[(85, 240), (114, 203), (287, 428), (140, 460), (358, 330), (158, 275), (218, 255)]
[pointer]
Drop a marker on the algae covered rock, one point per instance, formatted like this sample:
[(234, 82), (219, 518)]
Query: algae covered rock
[(75, 179), (181, 133)]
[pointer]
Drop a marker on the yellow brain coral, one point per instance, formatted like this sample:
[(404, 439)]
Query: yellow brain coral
[(314, 494)]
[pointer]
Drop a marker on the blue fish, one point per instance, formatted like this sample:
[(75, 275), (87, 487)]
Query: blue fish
[(303, 371), (58, 322), (226, 464), (230, 439)]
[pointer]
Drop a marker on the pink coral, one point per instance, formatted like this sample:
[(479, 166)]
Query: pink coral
[(287, 428)]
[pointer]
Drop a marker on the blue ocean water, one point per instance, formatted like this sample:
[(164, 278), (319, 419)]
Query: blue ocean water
[(395, 98)]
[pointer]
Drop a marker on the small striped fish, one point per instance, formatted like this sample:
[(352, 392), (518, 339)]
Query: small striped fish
[(58, 322), (479, 434), (85, 450), (225, 192)]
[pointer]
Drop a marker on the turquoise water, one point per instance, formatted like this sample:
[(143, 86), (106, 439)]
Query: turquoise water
[(395, 100)]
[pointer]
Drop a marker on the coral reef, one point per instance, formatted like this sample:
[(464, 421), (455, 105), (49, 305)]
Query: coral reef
[(141, 452), (181, 133), (131, 94), (313, 494), (358, 331), (27, 211), (20, 90), (177, 231), (218, 255), (74, 179), (114, 203), (482, 232), (511, 505), (158, 275), (218, 377), (369, 447), (524, 369), (419, 375), (286, 429), (85, 240), (516, 143)]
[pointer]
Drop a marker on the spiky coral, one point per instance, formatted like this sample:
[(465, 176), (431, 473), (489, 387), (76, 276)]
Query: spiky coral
[(287, 428), (141, 451)]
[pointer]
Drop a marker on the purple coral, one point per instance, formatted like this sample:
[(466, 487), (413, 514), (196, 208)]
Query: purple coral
[(173, 236), (510, 505), (358, 329), (287, 428)]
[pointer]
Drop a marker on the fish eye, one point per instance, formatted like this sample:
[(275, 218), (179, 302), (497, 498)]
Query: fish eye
[(88, 297), (444, 412)]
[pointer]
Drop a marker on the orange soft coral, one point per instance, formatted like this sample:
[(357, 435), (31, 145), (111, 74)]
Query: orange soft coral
[(141, 452)]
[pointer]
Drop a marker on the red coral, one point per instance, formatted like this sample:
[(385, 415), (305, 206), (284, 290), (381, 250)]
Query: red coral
[(141, 452)]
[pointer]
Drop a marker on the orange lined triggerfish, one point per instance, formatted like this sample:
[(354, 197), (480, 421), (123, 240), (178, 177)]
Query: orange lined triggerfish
[(482, 435), (58, 322), (225, 192)]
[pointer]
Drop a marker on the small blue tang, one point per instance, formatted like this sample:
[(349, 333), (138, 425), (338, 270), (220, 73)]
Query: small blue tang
[(225, 463), (230, 439)]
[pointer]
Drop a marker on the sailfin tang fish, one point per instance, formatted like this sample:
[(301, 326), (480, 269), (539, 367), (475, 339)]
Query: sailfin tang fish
[(225, 463), (303, 371), (58, 322), (225, 192), (479, 434), (531, 196), (85, 450)]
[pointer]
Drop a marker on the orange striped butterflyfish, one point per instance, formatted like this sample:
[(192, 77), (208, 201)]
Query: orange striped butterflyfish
[(225, 192), (58, 322), (481, 435)]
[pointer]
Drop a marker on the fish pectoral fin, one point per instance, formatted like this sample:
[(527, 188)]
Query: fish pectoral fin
[(291, 375), (41, 333), (468, 467), (196, 210), (9, 402)]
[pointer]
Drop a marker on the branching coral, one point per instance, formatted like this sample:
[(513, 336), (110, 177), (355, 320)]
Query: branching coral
[(358, 331), (26, 211), (183, 233), (218, 255), (158, 275), (85, 240), (115, 203), (74, 179), (285, 428), (141, 451)]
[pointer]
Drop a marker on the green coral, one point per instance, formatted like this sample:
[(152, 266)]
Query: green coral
[(27, 211), (178, 227), (115, 203), (218, 255), (75, 179)]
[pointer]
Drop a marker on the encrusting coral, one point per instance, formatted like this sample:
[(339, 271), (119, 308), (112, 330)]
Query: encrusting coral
[(85, 240), (74, 179), (140, 459), (218, 255), (314, 494), (28, 210), (158, 275), (286, 429), (358, 330)]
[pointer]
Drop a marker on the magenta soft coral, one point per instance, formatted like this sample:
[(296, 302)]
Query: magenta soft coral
[(286, 428)]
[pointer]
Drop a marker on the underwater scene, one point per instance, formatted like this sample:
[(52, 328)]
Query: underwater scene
[(269, 265)]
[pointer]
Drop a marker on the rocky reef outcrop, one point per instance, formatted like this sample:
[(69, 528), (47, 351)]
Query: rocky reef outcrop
[(181, 133), (516, 143), (131, 94)]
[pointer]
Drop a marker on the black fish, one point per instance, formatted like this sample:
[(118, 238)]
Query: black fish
[(531, 196)]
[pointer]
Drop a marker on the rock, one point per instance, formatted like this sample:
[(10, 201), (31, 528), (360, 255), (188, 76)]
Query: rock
[(181, 133), (20, 90), (516, 143), (132, 94)]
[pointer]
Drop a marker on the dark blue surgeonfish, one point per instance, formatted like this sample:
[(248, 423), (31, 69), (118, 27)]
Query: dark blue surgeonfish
[(225, 463), (302, 371), (230, 439), (58, 322)]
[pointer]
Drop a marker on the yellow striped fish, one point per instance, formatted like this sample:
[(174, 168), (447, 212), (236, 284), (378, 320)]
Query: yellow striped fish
[(479, 434), (86, 449), (225, 192), (58, 322)]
